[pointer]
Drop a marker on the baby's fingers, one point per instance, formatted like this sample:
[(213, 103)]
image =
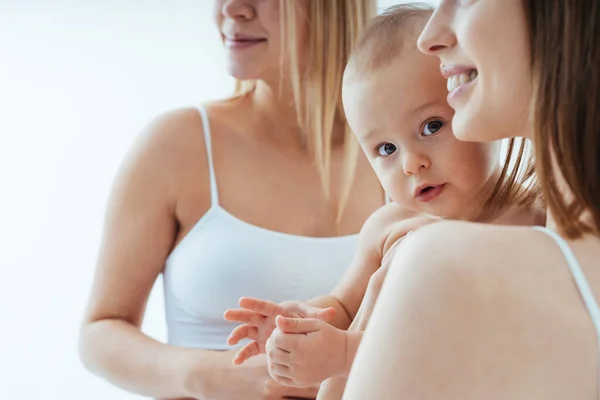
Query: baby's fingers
[(248, 351), (242, 332)]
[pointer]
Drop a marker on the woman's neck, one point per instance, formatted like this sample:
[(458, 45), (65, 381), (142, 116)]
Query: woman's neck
[(275, 107), (274, 114), (507, 214), (530, 216), (275, 103)]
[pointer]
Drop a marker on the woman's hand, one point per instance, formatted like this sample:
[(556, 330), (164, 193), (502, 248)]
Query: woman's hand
[(250, 381), (304, 352), (258, 318)]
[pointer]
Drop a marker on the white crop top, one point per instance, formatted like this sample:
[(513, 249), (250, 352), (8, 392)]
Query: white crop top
[(223, 258)]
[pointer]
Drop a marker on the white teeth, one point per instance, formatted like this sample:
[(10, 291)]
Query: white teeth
[(460, 79)]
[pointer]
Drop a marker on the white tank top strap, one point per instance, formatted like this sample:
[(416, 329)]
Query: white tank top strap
[(214, 191), (580, 280)]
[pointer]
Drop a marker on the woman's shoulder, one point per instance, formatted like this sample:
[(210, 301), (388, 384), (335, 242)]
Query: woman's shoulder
[(184, 124), (181, 131), (473, 241), (486, 298), (166, 151), (172, 127), (501, 262), (460, 253)]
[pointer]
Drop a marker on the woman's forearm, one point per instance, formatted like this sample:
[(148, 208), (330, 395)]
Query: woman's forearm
[(118, 352)]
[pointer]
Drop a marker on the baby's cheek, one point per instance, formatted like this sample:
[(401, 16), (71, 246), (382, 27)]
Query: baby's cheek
[(474, 177), (395, 192)]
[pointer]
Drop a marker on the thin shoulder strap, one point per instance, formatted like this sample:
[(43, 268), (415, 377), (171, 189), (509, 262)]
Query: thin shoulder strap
[(214, 192), (582, 284)]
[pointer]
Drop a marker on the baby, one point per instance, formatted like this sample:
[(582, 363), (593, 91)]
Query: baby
[(395, 102)]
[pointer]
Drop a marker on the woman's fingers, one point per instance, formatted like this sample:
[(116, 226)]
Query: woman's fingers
[(242, 332), (248, 351), (244, 316), (264, 307)]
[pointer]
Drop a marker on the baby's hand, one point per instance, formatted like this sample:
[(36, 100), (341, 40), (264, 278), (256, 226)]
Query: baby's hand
[(304, 352), (258, 321)]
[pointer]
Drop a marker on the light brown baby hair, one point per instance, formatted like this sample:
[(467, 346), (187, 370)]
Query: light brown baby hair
[(383, 41), (385, 37)]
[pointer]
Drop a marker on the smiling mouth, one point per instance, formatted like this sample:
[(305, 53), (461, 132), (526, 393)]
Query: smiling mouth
[(457, 80), (246, 40)]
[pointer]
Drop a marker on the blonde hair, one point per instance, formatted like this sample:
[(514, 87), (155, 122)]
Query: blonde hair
[(383, 41), (335, 26)]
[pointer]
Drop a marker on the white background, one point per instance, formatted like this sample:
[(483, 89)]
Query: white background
[(78, 81)]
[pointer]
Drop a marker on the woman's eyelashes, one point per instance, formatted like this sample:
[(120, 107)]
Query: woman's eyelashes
[(386, 149), (432, 127)]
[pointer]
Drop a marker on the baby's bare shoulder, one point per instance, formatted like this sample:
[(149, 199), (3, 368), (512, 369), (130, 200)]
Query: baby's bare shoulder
[(390, 223)]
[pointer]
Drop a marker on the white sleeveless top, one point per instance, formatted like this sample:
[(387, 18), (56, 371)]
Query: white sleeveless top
[(587, 296), (224, 258)]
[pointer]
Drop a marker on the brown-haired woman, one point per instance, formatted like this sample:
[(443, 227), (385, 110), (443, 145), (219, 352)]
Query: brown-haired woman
[(475, 311)]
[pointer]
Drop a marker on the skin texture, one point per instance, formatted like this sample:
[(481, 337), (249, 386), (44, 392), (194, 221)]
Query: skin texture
[(493, 312), (404, 105), (379, 114), (379, 234), (162, 190)]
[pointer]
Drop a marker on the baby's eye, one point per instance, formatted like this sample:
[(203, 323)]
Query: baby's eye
[(386, 149), (432, 127)]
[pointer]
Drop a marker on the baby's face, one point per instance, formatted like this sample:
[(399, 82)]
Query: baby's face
[(402, 121)]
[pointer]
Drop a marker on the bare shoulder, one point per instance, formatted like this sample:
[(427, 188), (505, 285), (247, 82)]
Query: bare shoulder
[(498, 301), (468, 244), (470, 263), (180, 131), (388, 224), (172, 130), (392, 222), (386, 215), (166, 152)]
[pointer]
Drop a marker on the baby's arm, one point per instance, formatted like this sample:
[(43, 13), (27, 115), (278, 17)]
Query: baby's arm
[(378, 235), (308, 351), (339, 308), (347, 295)]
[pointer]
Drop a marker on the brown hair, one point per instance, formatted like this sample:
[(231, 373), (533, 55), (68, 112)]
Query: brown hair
[(565, 54), (335, 25), (383, 41)]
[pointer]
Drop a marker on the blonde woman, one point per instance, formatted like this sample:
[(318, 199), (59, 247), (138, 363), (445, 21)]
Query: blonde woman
[(265, 188)]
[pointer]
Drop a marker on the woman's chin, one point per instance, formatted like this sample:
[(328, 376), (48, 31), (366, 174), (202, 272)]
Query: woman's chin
[(469, 129)]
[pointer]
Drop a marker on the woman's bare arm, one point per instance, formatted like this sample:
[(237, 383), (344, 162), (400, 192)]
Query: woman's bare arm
[(139, 232), (470, 311)]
